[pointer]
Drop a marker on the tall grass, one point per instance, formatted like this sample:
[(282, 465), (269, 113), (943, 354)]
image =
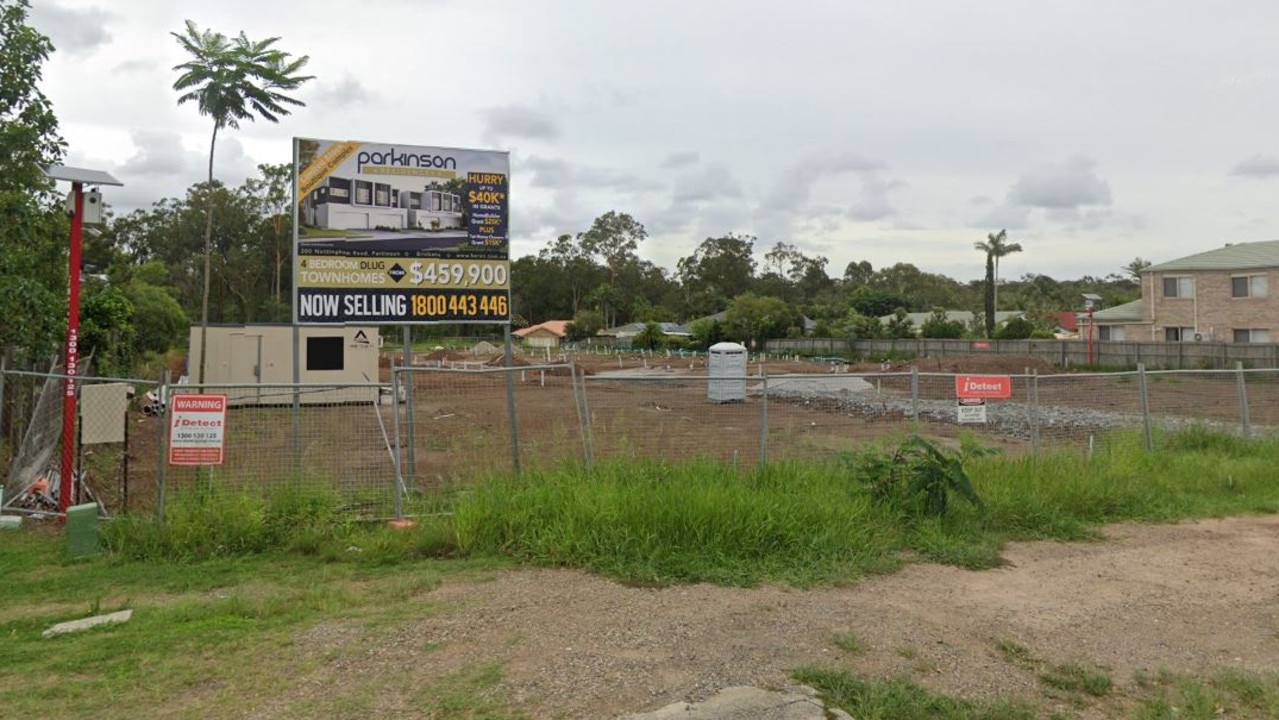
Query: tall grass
[(307, 519), (657, 523)]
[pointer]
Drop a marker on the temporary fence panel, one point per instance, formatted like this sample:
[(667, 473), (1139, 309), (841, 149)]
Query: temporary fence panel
[(328, 437)]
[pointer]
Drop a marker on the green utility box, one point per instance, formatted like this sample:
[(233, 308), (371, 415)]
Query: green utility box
[(82, 531)]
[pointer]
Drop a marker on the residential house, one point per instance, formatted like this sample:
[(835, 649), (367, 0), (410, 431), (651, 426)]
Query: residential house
[(918, 319), (1221, 295), (623, 334), (543, 335)]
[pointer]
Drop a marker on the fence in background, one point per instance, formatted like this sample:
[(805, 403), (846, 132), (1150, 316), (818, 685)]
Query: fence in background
[(1062, 353), (395, 448)]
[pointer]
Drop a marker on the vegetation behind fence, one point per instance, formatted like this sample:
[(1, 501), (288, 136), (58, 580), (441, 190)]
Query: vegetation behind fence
[(1062, 353)]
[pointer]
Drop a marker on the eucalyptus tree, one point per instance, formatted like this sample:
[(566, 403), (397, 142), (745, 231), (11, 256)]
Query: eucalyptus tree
[(233, 80)]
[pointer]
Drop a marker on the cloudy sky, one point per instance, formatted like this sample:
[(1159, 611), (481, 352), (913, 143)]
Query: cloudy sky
[(1095, 131)]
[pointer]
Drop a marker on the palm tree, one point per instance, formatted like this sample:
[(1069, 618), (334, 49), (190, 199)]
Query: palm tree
[(995, 247), (231, 80)]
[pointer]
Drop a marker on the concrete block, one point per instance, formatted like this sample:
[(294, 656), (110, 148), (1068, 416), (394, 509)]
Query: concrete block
[(85, 623)]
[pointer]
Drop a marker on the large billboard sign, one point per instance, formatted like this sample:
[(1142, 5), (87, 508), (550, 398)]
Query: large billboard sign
[(400, 234)]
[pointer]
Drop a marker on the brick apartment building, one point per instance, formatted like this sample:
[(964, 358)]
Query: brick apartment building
[(1222, 295)]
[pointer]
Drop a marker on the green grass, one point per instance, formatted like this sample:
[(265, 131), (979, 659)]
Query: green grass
[(1076, 678), (902, 699), (848, 642), (215, 632), (1226, 694)]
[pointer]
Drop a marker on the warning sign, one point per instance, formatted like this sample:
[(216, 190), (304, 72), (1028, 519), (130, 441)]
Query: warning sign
[(971, 410), (197, 430)]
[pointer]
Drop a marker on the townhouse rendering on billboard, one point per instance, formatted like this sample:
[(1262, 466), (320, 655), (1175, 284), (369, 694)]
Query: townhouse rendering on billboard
[(400, 234)]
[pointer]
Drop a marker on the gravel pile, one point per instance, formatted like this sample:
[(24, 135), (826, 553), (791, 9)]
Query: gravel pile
[(1004, 417)]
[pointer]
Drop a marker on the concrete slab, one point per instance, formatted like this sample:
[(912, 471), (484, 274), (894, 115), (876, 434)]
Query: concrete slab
[(89, 622), (749, 703)]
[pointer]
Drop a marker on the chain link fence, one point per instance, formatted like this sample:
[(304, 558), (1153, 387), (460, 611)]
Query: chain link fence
[(400, 447), (111, 459)]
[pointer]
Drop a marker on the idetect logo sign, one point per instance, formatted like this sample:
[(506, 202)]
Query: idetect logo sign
[(983, 386)]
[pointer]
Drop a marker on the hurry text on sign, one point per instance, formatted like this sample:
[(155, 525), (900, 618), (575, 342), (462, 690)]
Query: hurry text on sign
[(197, 429), (983, 386)]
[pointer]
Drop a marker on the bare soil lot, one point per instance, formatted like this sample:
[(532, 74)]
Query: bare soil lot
[(1189, 598)]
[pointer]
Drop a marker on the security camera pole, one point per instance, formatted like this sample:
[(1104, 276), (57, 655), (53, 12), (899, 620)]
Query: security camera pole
[(78, 177), (1090, 304)]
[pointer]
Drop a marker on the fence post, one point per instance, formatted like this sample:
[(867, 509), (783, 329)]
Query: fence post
[(1145, 407), (395, 430), (1243, 400), (410, 427), (587, 426), (1034, 411), (583, 420), (914, 392), (510, 402), (4, 365), (162, 429), (763, 423)]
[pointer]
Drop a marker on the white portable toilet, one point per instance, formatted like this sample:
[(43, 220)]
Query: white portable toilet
[(726, 367)]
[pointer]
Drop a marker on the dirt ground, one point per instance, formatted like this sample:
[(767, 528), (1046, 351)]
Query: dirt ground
[(1190, 598)]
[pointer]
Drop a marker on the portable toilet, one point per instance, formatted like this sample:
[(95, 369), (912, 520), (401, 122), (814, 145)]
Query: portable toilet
[(726, 366)]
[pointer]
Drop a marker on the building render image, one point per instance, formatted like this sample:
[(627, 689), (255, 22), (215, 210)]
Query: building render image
[(361, 203)]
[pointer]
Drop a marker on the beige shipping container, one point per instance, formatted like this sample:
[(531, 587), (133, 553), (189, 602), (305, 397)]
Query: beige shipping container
[(260, 358)]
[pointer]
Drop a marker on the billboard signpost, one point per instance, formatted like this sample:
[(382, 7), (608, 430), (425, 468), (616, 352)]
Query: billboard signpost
[(400, 234)]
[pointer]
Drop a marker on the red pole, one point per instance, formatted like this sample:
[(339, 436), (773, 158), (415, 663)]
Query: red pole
[(72, 350), (1090, 326)]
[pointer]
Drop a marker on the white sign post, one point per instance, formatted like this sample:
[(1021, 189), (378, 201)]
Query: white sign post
[(197, 429)]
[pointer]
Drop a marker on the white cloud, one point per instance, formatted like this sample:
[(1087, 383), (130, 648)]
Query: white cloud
[(1258, 166), (518, 122), (75, 31)]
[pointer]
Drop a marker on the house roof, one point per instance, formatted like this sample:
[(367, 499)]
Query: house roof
[(1236, 256), (919, 318), (631, 329), (558, 328), (1067, 320), (1128, 312)]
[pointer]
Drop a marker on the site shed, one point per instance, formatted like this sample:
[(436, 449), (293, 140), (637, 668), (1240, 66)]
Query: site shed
[(260, 358)]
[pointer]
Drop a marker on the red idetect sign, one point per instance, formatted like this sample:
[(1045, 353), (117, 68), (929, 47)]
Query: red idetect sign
[(983, 386), (197, 429)]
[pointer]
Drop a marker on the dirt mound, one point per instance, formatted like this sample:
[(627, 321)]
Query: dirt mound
[(989, 364), (499, 360), (442, 355)]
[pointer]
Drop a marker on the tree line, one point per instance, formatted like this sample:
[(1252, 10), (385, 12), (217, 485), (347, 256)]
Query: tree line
[(218, 253)]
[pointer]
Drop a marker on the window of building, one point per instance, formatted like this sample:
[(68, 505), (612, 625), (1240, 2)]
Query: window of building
[(1248, 286), (325, 352), (1179, 334), (363, 192), (1252, 336), (1179, 287), (1110, 332)]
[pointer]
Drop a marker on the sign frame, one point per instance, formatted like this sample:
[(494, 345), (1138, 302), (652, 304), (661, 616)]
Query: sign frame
[(398, 234), (205, 415)]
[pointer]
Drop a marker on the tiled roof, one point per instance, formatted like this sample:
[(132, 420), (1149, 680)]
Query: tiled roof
[(558, 328), (1128, 312), (1238, 256)]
